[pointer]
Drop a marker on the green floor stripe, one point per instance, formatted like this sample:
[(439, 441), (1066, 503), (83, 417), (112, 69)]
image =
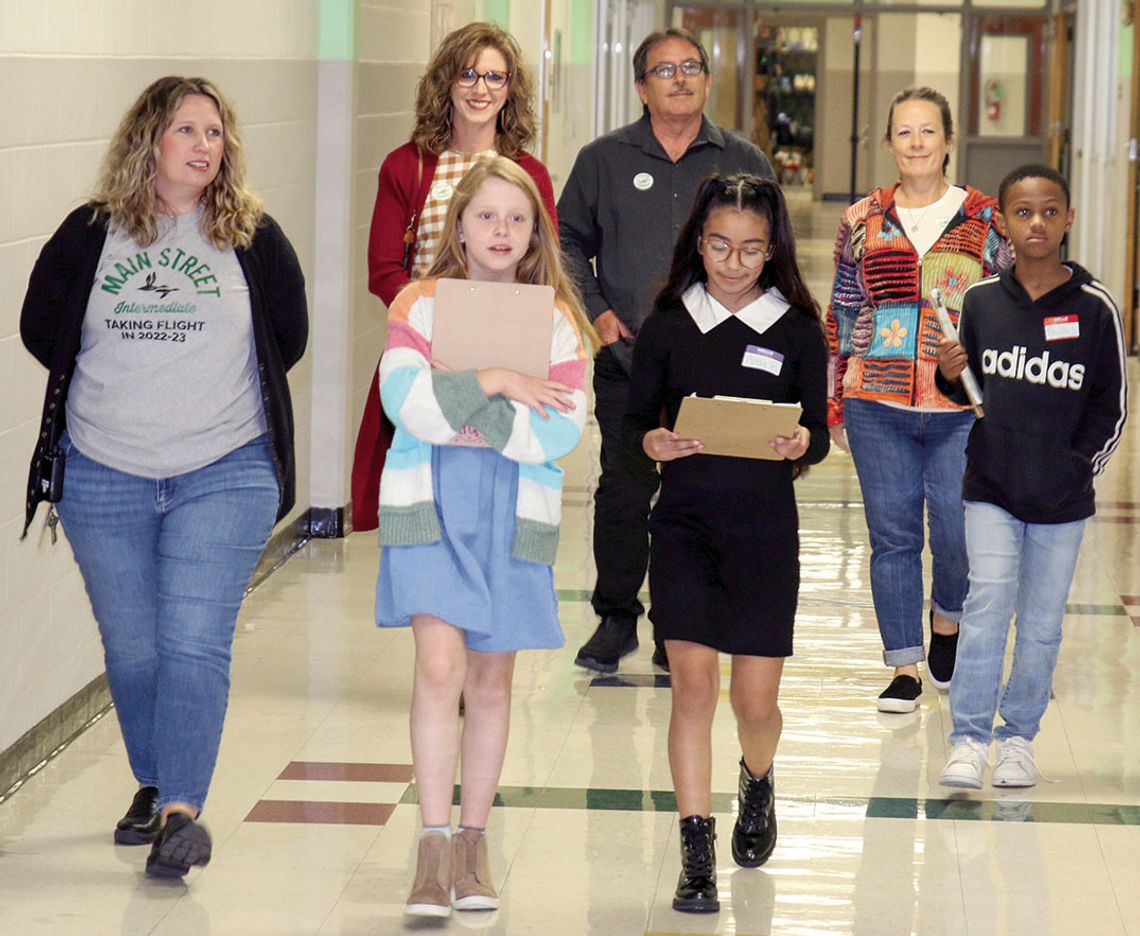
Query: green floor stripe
[(1007, 809), (806, 597)]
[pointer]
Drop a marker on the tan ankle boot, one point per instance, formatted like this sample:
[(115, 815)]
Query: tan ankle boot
[(431, 892), (471, 872)]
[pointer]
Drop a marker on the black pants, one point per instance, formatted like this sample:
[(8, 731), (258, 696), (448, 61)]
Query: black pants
[(621, 503)]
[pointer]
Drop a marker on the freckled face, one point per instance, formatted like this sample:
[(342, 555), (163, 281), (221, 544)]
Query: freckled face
[(496, 228), (189, 151)]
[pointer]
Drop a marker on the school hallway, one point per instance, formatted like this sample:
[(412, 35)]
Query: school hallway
[(312, 809)]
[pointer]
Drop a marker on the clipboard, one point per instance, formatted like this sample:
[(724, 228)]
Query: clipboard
[(480, 324), (737, 426)]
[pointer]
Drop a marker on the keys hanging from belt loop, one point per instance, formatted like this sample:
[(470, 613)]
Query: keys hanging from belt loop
[(51, 521)]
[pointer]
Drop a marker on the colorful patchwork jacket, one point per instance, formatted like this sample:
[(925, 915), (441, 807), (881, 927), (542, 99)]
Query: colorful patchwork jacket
[(432, 407), (881, 328)]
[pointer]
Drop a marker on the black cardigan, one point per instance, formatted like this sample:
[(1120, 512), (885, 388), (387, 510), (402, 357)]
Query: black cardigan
[(51, 325)]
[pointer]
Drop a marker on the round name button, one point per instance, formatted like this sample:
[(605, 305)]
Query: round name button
[(441, 191), (643, 181)]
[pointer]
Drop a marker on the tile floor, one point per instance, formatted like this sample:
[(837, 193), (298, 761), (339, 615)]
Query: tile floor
[(312, 808)]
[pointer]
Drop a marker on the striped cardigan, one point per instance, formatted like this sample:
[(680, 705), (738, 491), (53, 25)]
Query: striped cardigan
[(881, 329), (434, 407)]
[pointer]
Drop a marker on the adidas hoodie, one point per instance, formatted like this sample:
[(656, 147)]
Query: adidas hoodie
[(1052, 374)]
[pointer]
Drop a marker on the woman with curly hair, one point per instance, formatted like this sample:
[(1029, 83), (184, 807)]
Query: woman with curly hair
[(476, 100), (167, 310)]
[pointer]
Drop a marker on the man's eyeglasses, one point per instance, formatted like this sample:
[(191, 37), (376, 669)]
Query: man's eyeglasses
[(494, 80), (666, 70), (719, 251)]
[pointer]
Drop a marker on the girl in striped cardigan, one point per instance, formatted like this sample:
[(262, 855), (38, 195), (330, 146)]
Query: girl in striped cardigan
[(470, 501)]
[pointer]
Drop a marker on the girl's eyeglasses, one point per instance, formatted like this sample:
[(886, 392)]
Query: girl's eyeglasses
[(719, 251), (494, 80)]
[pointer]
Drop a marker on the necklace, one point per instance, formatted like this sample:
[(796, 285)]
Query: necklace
[(916, 216)]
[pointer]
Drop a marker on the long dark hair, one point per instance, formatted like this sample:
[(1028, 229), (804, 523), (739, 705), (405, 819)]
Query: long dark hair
[(743, 192)]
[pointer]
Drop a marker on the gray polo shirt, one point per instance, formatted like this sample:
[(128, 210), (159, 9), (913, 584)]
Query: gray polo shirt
[(624, 204)]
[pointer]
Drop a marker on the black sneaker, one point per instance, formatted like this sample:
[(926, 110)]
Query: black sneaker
[(660, 657), (616, 637), (142, 822), (901, 695), (940, 659), (180, 845)]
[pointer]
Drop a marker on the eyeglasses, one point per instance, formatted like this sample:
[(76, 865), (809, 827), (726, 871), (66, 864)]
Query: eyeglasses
[(719, 251), (494, 80), (666, 70)]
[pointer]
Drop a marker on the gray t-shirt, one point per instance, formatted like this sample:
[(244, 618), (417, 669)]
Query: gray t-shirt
[(166, 377)]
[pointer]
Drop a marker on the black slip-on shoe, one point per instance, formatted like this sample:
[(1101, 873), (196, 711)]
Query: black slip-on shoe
[(901, 696), (142, 821)]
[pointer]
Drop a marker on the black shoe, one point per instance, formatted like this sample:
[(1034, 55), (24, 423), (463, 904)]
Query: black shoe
[(616, 637), (940, 659), (754, 835), (901, 696), (660, 657), (142, 822), (180, 845), (696, 887)]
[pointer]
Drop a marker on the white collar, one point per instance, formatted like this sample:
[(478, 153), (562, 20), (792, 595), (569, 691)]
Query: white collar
[(759, 315)]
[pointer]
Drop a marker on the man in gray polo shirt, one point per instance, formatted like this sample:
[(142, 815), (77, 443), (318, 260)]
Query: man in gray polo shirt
[(623, 206)]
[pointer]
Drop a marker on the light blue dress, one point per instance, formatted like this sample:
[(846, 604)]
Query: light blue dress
[(469, 577)]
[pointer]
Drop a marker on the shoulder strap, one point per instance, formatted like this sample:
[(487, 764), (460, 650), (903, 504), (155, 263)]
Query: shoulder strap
[(413, 220)]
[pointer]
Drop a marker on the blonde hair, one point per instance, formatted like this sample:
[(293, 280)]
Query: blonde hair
[(515, 122), (126, 195), (542, 264)]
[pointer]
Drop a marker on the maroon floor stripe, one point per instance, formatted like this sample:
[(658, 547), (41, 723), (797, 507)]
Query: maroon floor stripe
[(325, 813), (334, 770)]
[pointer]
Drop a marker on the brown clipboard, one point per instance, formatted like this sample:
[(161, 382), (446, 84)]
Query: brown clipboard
[(479, 324), (737, 426)]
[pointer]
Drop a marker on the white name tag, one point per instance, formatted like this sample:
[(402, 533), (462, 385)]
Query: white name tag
[(1061, 327), (763, 359)]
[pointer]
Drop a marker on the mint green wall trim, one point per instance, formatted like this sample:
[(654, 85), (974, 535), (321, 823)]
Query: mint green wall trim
[(337, 42), (498, 12), (581, 32)]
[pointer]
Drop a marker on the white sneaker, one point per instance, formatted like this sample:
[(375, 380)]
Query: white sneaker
[(1015, 764), (966, 764)]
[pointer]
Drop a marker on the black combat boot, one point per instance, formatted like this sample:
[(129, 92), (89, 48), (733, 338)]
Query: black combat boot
[(696, 887), (754, 835)]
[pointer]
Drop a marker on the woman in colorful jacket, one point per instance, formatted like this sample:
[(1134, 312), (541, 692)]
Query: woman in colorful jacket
[(475, 100), (908, 442)]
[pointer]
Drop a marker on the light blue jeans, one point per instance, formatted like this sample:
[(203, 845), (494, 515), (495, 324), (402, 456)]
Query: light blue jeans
[(907, 460), (1015, 567), (166, 563)]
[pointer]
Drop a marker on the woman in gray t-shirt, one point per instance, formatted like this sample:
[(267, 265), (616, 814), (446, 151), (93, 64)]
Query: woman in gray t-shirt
[(168, 310)]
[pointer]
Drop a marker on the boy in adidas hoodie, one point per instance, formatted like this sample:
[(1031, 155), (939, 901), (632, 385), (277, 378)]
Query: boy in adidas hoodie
[(1045, 341)]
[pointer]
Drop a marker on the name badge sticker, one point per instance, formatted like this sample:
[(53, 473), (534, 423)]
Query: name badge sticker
[(1062, 327), (763, 359), (643, 181), (442, 191)]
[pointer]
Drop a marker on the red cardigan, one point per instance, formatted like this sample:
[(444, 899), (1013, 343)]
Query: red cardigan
[(396, 199)]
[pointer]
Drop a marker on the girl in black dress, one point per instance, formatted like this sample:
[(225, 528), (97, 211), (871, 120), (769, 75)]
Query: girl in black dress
[(734, 319)]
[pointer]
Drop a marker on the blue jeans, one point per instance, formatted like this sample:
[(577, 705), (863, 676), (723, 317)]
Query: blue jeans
[(907, 459), (1015, 567), (166, 563)]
